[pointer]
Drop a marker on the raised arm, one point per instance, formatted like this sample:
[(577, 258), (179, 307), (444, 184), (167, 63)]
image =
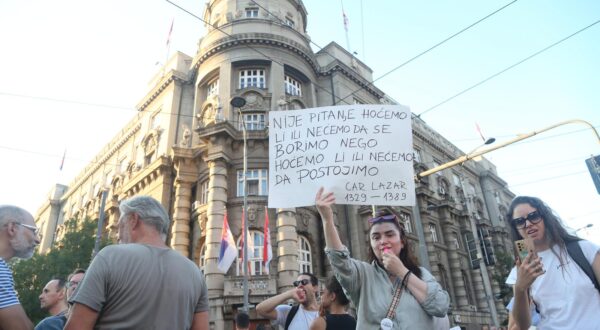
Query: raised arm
[(527, 272), (267, 307), (323, 202)]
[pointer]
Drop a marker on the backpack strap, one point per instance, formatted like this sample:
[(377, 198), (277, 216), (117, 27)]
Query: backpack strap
[(576, 253), (290, 316)]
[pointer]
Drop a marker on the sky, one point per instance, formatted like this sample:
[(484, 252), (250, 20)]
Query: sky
[(72, 72)]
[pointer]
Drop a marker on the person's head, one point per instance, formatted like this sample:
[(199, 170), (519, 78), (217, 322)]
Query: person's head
[(333, 294), (141, 210), (242, 321), (18, 233), (54, 295), (530, 218), (387, 233), (309, 284), (73, 281)]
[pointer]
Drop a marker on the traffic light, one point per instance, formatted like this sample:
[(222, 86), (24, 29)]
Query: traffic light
[(593, 164)]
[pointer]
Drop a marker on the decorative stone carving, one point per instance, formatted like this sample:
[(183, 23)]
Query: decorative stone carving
[(208, 115), (202, 219), (186, 137), (229, 17), (238, 13), (282, 103), (252, 213), (304, 216), (253, 101)]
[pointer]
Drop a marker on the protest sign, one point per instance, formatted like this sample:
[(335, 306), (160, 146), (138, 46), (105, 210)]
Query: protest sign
[(361, 152)]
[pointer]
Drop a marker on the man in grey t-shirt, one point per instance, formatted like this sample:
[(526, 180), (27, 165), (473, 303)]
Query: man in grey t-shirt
[(141, 283)]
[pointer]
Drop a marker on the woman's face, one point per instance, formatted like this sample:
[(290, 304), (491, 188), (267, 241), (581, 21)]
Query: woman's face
[(534, 231), (326, 298), (384, 236)]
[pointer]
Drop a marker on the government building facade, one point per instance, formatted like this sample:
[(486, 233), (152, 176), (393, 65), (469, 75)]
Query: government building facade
[(185, 148)]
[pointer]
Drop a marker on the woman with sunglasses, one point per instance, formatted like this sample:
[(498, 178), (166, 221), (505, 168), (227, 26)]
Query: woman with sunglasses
[(548, 276), (390, 291)]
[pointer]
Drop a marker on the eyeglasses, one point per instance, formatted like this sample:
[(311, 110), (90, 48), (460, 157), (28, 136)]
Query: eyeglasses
[(533, 217), (303, 282), (34, 229), (382, 218)]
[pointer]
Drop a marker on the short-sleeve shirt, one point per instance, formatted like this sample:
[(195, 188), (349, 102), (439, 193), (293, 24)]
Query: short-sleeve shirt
[(8, 295), (564, 295), (137, 286), (301, 320)]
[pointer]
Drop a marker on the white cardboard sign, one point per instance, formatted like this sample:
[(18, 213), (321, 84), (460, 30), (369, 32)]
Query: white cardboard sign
[(362, 152)]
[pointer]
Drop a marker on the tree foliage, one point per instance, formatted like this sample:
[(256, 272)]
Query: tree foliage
[(73, 251)]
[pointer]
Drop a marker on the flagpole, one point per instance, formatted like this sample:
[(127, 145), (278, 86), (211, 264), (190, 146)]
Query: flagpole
[(346, 27)]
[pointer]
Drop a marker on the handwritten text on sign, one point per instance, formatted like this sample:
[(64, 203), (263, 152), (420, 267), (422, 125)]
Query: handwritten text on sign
[(363, 153)]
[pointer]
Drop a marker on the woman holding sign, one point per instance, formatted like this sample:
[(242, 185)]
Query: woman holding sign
[(392, 291), (559, 275)]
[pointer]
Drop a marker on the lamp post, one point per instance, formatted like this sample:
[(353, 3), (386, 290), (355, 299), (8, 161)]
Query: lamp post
[(239, 102), (584, 227)]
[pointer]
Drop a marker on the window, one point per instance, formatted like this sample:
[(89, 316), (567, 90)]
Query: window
[(456, 240), (289, 22), (472, 249), (155, 120), (304, 256), (212, 88), (405, 217), (417, 155), (204, 192), (436, 163), (123, 165), (468, 288), (202, 257), (254, 121), (292, 86), (433, 231), (252, 78), (255, 265), (470, 189), (252, 12), (257, 183), (108, 176), (456, 179)]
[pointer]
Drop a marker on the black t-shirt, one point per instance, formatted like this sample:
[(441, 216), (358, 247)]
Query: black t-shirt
[(340, 322)]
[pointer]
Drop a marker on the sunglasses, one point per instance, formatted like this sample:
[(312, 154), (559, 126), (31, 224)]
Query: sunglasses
[(303, 282), (533, 217), (383, 218)]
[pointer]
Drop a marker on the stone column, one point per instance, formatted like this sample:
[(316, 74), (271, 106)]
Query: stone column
[(460, 294), (479, 290), (287, 248), (217, 203), (186, 176)]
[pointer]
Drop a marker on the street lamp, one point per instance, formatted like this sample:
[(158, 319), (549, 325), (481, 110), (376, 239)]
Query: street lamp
[(584, 227), (239, 102)]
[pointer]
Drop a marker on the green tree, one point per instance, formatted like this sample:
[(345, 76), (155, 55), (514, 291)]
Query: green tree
[(73, 251)]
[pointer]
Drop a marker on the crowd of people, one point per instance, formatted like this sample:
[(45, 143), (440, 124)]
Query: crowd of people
[(143, 284)]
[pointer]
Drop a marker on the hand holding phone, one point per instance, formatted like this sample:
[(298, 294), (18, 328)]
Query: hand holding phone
[(522, 247)]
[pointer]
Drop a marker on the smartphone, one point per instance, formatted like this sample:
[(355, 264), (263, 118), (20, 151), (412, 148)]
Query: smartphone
[(521, 248)]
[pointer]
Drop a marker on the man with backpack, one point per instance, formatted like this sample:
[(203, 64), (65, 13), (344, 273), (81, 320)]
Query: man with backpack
[(299, 316)]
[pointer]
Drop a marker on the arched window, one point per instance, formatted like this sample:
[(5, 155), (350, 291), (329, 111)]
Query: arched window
[(255, 255), (202, 257), (304, 256)]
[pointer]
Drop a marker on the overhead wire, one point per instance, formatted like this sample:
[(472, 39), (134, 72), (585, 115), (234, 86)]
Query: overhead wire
[(507, 69)]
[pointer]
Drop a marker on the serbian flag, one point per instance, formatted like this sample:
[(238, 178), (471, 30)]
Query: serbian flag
[(62, 162), (228, 251), (267, 250), (345, 20)]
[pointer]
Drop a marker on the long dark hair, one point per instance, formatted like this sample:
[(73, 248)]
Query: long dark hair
[(406, 256), (334, 286), (554, 232)]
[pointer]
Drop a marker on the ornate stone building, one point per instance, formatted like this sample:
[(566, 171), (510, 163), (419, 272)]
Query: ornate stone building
[(185, 148)]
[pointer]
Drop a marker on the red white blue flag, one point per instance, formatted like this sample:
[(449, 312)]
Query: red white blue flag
[(228, 251), (267, 250)]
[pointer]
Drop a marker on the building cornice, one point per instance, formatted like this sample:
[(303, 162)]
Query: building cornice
[(170, 77)]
